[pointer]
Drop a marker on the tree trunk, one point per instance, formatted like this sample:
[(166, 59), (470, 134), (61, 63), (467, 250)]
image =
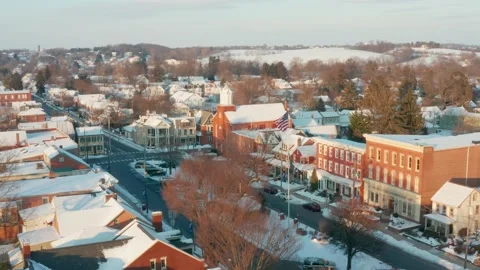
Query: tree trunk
[(349, 260)]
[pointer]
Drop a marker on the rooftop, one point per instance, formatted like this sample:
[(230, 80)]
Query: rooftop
[(32, 111), (43, 235), (452, 194), (256, 113), (47, 135), (8, 138), (89, 131)]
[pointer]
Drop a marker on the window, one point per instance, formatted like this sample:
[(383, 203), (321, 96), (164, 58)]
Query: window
[(191, 131), (409, 165), (353, 174), (353, 157), (330, 164), (385, 157), (404, 207), (320, 163), (359, 158), (319, 148), (330, 151), (376, 197), (415, 184), (82, 140), (94, 139), (409, 182), (417, 164), (347, 156), (370, 153), (359, 174), (184, 132), (99, 147), (19, 204), (379, 154), (347, 172), (163, 263), (370, 171), (477, 209), (325, 149), (393, 176), (400, 180), (44, 200), (61, 159), (377, 173), (153, 264), (385, 175), (324, 164), (341, 169), (394, 159), (401, 160), (336, 152), (336, 167), (342, 153)]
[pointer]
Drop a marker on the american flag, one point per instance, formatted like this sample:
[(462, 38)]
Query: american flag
[(282, 122)]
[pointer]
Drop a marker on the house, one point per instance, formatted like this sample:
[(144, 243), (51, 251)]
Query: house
[(7, 97), (258, 142), (403, 172), (32, 115), (192, 100), (450, 207), (205, 128), (152, 130), (339, 166), (60, 123), (61, 162), (451, 116), (230, 117), (90, 141), (431, 114), (185, 131), (25, 105)]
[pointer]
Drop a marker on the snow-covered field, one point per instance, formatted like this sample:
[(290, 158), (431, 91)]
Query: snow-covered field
[(286, 56)]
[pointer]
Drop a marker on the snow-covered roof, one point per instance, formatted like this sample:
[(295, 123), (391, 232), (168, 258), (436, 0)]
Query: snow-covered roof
[(47, 135), (306, 115), (9, 138), (342, 143), (433, 140), (32, 111), (42, 211), (65, 144), (330, 114), (86, 236), (452, 194), (154, 120), (306, 122), (45, 186), (89, 131), (454, 111), (26, 170), (439, 217), (307, 150), (328, 130), (256, 113), (40, 236), (73, 221), (79, 202)]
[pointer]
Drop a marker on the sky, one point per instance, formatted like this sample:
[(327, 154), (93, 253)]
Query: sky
[(184, 23)]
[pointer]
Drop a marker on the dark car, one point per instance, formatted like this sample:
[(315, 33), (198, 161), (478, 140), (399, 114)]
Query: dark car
[(157, 173), (314, 207), (270, 190)]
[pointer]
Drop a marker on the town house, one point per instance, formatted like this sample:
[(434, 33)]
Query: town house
[(90, 141)]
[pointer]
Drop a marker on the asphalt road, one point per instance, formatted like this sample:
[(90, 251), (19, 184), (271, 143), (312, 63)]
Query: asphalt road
[(122, 155)]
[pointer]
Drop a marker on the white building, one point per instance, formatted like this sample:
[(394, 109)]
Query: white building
[(193, 101)]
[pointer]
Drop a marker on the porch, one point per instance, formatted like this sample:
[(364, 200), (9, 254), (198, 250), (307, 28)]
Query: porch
[(439, 223), (334, 184)]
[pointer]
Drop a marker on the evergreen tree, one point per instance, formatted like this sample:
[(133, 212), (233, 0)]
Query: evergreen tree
[(40, 83), (314, 180), (281, 71), (407, 84), (47, 74), (409, 115), (359, 124), (320, 106), (349, 96), (99, 59)]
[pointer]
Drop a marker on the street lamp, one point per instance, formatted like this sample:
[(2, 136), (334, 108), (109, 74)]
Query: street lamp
[(145, 196), (469, 205)]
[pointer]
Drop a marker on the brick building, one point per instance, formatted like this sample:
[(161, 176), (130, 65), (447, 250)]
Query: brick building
[(230, 117), (339, 166), (205, 128), (403, 172), (7, 97), (32, 115)]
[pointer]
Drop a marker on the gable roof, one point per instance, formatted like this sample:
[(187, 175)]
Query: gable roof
[(43, 235), (204, 117), (452, 194), (256, 113), (53, 151)]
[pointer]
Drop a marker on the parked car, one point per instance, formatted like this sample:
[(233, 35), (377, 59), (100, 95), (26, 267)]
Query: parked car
[(140, 164), (270, 190), (284, 196), (314, 207), (157, 172), (314, 263)]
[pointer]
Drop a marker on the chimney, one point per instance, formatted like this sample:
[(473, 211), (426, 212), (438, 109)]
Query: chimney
[(110, 196), (18, 138), (26, 252), (157, 219), (299, 141)]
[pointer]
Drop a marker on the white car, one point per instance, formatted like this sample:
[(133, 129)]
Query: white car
[(284, 196)]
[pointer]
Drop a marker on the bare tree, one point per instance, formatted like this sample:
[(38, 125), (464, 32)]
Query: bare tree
[(353, 230), (229, 224), (247, 90)]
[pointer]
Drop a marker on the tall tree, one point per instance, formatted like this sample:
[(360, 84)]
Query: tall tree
[(314, 180), (212, 67), (13, 81), (409, 115), (99, 59), (320, 105), (349, 96), (359, 124), (281, 70), (48, 74), (408, 83), (40, 82)]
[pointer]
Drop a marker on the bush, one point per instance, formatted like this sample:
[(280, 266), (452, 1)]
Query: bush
[(428, 233), (443, 238), (378, 208), (421, 229), (459, 249), (462, 232), (395, 215)]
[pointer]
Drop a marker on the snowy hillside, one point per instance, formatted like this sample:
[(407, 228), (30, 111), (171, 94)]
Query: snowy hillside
[(431, 56), (286, 56)]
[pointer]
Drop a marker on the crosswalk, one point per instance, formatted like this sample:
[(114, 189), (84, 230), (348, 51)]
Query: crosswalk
[(122, 160)]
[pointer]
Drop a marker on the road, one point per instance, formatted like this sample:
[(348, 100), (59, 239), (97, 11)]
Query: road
[(134, 183)]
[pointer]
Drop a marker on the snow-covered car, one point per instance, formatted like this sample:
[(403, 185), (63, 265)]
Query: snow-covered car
[(314, 263)]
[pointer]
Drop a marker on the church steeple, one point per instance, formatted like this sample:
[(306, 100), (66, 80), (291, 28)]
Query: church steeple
[(226, 96)]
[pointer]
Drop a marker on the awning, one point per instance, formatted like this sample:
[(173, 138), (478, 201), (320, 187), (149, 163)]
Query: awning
[(277, 163), (440, 218), (339, 179)]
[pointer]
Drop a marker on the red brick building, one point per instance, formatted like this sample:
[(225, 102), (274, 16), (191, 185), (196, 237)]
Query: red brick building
[(205, 128), (32, 115), (7, 97), (340, 166), (230, 117), (403, 172)]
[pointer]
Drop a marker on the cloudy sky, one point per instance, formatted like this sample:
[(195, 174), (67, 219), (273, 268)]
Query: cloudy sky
[(181, 23)]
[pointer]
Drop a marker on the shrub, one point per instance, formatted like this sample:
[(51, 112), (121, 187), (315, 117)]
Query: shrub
[(378, 208), (443, 238), (421, 229), (395, 215), (459, 249), (462, 232)]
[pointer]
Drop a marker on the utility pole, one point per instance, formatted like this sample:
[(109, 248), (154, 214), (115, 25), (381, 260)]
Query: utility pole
[(145, 176), (109, 143)]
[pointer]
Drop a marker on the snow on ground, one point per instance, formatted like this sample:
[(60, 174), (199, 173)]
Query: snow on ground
[(6, 248), (94, 156), (328, 251), (286, 56), (461, 255), (442, 51), (413, 250), (284, 185), (256, 184), (312, 196), (293, 200), (156, 164), (417, 235), (399, 223)]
